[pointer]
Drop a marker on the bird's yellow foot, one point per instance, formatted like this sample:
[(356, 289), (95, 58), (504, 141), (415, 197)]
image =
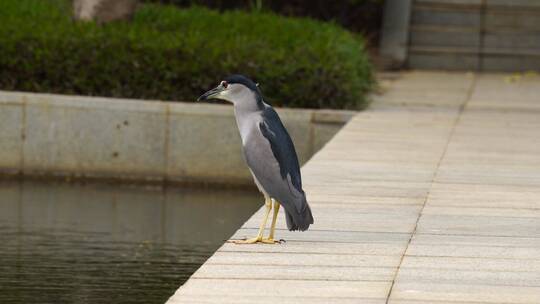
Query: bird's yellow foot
[(246, 241), (256, 240), (272, 241)]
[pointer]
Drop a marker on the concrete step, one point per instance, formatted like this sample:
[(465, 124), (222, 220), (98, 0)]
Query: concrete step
[(446, 58), (450, 3), (510, 41), (423, 49), (512, 18), (459, 23), (475, 34), (510, 63), (527, 4), (466, 58), (444, 15), (473, 50), (452, 39), (497, 14), (444, 36), (443, 61)]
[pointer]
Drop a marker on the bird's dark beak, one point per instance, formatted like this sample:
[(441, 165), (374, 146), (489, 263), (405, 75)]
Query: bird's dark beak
[(212, 94)]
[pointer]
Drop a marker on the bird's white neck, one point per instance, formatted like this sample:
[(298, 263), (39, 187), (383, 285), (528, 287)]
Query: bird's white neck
[(247, 110), (246, 101), (247, 122)]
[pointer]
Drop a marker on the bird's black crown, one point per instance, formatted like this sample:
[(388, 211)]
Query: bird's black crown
[(241, 79)]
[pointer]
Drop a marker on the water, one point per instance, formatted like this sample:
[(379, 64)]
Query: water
[(66, 243)]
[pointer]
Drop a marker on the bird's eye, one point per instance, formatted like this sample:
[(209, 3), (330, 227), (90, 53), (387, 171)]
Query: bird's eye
[(224, 84)]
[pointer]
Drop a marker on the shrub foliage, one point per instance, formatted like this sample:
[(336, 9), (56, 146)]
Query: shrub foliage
[(175, 54), (363, 16)]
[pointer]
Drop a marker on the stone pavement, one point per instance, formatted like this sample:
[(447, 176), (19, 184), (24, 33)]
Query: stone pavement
[(430, 196)]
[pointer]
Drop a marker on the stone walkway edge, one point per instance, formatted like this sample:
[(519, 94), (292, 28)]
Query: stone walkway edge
[(432, 195)]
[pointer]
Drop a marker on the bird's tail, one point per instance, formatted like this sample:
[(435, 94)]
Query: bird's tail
[(299, 221)]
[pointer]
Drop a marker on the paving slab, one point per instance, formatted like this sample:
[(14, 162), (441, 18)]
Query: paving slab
[(394, 247), (474, 241), (295, 272), (227, 299), (331, 236), (337, 261), (289, 288), (478, 264), (401, 301), (479, 225), (430, 291)]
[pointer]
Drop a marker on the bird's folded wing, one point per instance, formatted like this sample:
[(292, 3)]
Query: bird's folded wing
[(272, 159)]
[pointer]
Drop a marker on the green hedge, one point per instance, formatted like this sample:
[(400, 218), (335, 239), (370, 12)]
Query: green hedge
[(175, 54)]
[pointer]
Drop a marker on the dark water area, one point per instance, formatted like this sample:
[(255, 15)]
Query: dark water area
[(102, 243)]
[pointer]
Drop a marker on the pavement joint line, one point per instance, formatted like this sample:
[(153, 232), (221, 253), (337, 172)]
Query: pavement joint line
[(328, 230), (310, 297), (471, 257), (312, 253), (452, 302), (343, 242), (470, 270), (285, 279), (487, 184), (479, 235), (302, 266), (470, 245), (462, 107), (339, 242)]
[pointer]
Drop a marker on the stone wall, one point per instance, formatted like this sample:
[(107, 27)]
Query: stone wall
[(475, 35), (89, 137)]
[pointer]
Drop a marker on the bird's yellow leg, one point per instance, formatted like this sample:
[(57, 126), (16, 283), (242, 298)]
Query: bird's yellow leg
[(259, 237), (270, 239)]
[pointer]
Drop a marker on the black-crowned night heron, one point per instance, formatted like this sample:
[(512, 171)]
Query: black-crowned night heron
[(269, 153)]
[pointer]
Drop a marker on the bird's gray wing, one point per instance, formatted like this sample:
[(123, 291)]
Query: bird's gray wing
[(272, 159)]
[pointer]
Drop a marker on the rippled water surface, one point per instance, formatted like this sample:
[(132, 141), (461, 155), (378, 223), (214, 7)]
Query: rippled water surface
[(65, 243)]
